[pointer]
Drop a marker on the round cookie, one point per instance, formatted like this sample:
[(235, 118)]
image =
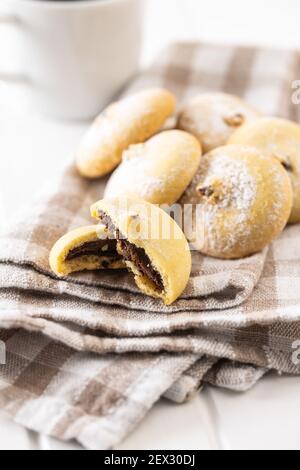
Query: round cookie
[(85, 248), (278, 138), (129, 121), (158, 171), (152, 244), (213, 117), (242, 201)]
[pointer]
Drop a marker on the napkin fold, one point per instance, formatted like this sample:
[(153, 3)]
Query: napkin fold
[(88, 356)]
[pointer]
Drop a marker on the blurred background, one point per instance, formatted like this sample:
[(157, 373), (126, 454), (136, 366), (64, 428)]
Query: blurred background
[(43, 145), (274, 23)]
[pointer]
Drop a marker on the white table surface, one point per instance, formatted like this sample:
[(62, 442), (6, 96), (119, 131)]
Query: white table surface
[(33, 149)]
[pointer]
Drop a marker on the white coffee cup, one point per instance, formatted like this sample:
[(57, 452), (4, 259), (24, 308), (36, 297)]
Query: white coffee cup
[(76, 55)]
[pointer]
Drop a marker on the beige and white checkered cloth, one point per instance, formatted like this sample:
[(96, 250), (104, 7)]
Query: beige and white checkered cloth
[(87, 357)]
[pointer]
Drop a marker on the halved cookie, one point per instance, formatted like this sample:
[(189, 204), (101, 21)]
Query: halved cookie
[(152, 244), (86, 248)]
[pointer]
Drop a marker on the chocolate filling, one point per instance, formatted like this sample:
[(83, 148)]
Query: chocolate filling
[(134, 254), (138, 257), (95, 248)]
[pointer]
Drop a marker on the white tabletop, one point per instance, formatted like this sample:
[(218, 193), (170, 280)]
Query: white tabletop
[(267, 417), (32, 149)]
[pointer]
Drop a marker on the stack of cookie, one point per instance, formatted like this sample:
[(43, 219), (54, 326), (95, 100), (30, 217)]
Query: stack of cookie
[(233, 172)]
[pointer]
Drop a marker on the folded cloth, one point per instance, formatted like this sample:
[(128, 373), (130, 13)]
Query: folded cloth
[(88, 356)]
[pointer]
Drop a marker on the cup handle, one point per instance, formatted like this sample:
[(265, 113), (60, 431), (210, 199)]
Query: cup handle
[(12, 77)]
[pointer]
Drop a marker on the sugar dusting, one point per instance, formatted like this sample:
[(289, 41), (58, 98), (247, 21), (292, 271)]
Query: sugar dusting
[(122, 122), (278, 138), (134, 174), (238, 197), (290, 150), (101, 132), (157, 170), (253, 205), (207, 117)]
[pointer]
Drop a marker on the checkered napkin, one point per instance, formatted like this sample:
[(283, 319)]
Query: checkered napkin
[(88, 356)]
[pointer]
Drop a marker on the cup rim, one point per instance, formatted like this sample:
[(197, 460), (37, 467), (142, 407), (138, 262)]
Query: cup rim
[(67, 5)]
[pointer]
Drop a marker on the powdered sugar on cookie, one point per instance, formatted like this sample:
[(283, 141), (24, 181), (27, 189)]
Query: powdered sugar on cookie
[(241, 199), (158, 171), (213, 117)]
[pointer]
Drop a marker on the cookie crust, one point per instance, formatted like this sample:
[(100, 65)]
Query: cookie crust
[(85, 248), (242, 200), (277, 138), (127, 122), (157, 171), (213, 117), (141, 227)]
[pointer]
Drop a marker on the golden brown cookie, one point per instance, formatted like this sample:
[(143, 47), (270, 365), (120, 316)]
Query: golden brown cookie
[(278, 138), (213, 117), (127, 122), (152, 244), (157, 171), (85, 248), (242, 201)]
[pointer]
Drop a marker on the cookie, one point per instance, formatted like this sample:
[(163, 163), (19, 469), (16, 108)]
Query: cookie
[(153, 246), (279, 138), (127, 122), (157, 171), (213, 117), (242, 201), (86, 248)]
